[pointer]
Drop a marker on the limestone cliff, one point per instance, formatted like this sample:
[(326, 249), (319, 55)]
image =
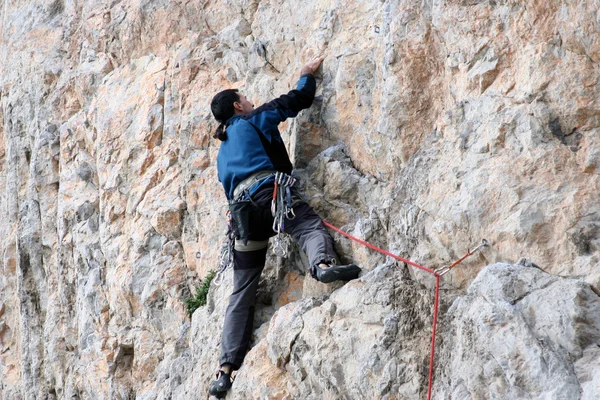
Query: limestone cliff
[(436, 123)]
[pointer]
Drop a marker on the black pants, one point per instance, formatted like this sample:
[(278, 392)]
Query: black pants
[(314, 239)]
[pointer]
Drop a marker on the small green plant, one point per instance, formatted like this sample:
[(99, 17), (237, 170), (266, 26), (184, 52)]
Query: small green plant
[(193, 303)]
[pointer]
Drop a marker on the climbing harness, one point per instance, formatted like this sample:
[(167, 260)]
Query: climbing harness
[(282, 208), (438, 273), (226, 255)]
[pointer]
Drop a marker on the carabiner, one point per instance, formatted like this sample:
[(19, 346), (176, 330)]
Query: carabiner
[(290, 211)]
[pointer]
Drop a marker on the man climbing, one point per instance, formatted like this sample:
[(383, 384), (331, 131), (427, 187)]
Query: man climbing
[(254, 169)]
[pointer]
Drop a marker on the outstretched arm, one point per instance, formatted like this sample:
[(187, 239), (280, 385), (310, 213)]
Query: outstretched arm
[(269, 115)]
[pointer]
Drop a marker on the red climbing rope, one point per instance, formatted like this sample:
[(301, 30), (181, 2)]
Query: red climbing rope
[(437, 275), (387, 253), (435, 313)]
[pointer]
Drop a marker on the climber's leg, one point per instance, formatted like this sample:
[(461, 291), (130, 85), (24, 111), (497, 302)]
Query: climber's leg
[(237, 328), (308, 230)]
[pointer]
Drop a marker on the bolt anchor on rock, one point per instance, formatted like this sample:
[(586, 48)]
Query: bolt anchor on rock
[(445, 269)]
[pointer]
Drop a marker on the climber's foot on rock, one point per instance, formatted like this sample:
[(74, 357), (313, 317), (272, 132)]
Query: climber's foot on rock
[(219, 387), (330, 273)]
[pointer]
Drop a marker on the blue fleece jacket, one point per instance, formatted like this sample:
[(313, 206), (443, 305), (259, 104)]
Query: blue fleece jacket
[(253, 140)]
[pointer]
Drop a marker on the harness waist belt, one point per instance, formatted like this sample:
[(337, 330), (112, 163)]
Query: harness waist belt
[(249, 182)]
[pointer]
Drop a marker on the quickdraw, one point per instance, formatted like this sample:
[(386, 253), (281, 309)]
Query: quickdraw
[(226, 256), (445, 269), (282, 209)]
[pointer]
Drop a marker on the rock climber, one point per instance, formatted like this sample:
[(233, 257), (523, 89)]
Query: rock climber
[(253, 164)]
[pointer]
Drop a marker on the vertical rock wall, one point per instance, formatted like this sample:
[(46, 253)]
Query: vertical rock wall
[(436, 123)]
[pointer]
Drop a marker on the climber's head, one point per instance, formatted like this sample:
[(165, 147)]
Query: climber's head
[(225, 105), (243, 106)]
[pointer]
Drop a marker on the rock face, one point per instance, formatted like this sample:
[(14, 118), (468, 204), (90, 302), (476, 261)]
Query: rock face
[(517, 333), (521, 333), (436, 124)]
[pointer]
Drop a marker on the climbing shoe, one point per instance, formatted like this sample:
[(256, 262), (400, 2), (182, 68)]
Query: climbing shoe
[(220, 387), (336, 273)]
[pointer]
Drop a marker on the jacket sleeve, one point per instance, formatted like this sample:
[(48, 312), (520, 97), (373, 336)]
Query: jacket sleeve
[(269, 115)]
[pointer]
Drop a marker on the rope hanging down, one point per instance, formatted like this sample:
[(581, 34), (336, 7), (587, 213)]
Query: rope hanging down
[(437, 273)]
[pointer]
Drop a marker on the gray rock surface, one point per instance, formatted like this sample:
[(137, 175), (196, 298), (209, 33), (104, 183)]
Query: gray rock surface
[(436, 124), (521, 333), (517, 333)]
